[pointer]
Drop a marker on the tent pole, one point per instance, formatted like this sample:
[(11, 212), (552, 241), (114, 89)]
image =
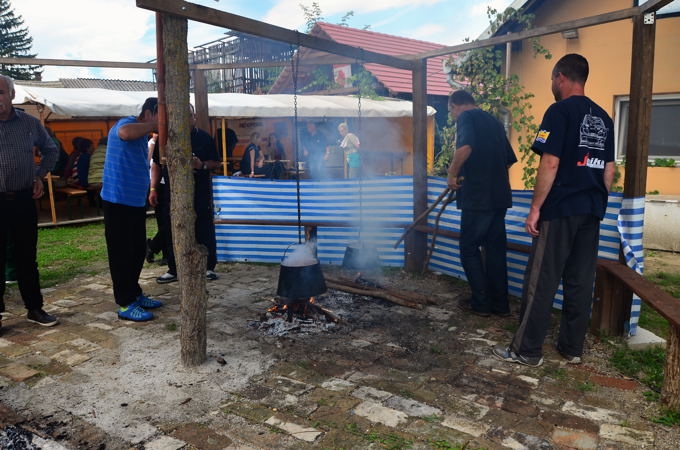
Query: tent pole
[(225, 163)]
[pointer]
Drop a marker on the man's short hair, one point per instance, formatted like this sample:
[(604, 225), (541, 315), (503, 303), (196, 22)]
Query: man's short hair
[(150, 104), (573, 66), (461, 97)]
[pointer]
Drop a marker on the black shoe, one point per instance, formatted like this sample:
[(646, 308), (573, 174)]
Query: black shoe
[(466, 306), (502, 314), (41, 318), (149, 253)]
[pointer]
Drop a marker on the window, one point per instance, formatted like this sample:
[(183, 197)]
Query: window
[(664, 134)]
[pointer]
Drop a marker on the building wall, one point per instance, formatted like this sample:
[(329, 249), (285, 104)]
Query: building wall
[(608, 49)]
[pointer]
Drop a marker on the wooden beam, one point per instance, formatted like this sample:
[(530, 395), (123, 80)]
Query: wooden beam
[(653, 5), (599, 19), (534, 32), (223, 19), (77, 63)]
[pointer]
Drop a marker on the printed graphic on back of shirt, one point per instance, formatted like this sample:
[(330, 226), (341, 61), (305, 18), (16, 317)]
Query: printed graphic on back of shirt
[(593, 132), (592, 135)]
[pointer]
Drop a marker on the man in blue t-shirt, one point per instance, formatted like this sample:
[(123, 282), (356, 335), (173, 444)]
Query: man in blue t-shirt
[(576, 145), (479, 172), (125, 184)]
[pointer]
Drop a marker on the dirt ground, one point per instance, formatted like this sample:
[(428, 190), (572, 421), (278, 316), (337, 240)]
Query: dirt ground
[(105, 383)]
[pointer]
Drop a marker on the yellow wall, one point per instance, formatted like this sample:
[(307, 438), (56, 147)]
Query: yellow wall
[(608, 50), (67, 129)]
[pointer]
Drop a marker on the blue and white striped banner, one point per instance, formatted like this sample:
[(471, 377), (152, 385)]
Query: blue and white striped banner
[(631, 224), (377, 211)]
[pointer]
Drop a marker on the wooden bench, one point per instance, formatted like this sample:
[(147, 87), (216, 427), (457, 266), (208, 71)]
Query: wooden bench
[(72, 193), (613, 287), (615, 283)]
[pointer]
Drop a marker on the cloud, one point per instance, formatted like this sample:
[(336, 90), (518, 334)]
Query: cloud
[(81, 29)]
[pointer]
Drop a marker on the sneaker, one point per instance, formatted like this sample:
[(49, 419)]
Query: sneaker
[(167, 277), (569, 358), (148, 303), (466, 306), (40, 317), (504, 353), (150, 255), (211, 275), (135, 313)]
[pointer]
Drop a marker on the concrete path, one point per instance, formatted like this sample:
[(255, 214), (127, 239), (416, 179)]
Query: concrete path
[(386, 377)]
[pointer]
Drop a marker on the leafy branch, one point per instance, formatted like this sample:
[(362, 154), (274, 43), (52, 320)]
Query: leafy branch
[(481, 71)]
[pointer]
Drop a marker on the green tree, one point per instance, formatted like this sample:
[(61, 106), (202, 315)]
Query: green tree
[(481, 72), (15, 42)]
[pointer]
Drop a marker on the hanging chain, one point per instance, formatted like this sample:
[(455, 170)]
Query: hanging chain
[(294, 65), (361, 163)]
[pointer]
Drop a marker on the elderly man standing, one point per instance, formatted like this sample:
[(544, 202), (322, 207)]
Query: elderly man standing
[(20, 184), (124, 189)]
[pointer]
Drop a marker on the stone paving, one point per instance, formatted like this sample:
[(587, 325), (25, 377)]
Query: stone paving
[(387, 377)]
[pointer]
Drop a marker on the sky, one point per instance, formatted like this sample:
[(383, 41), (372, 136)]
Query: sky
[(117, 30)]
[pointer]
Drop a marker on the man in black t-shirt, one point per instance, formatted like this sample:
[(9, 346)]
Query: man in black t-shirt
[(576, 145), (479, 172), (205, 159)]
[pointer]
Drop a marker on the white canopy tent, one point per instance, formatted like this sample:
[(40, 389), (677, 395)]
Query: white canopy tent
[(92, 102)]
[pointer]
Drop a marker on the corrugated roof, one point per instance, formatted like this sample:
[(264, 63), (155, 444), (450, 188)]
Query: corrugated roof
[(396, 81), (115, 85)]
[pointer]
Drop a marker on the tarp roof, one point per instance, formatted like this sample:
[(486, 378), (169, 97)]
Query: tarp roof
[(92, 102)]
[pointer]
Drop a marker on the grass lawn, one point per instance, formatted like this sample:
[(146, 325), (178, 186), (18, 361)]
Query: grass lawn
[(67, 251)]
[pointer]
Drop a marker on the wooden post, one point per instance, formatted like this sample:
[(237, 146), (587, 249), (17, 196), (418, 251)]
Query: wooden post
[(201, 100), (670, 392), (416, 242), (191, 257), (637, 150)]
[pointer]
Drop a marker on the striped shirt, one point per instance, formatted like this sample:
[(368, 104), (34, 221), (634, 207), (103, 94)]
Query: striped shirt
[(126, 168), (18, 136)]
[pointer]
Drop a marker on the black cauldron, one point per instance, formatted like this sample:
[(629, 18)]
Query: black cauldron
[(361, 256), (300, 275)]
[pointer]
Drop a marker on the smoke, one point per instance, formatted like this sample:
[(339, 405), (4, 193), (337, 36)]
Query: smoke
[(299, 255)]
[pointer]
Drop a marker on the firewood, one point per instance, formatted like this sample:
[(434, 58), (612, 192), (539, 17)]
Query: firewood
[(406, 295), (377, 293)]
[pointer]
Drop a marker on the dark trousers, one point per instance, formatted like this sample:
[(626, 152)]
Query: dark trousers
[(487, 273), (159, 243), (19, 224), (205, 234), (565, 249), (125, 231)]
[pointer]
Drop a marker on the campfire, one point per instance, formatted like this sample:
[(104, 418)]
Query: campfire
[(303, 308)]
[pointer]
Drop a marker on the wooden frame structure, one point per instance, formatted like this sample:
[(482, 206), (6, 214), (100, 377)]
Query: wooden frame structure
[(643, 17)]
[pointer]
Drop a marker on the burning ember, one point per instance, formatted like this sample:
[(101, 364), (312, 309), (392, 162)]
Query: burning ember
[(296, 316), (303, 308)]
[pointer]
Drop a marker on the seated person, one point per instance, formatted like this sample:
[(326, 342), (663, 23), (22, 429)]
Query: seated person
[(253, 164), (94, 174), (81, 164)]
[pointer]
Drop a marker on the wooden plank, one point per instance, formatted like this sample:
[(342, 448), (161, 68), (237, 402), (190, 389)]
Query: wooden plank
[(663, 302), (223, 19)]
